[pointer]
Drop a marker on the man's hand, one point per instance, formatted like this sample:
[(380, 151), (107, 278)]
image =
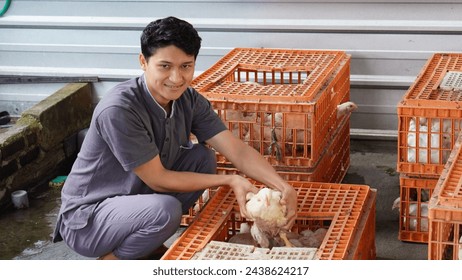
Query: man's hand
[(289, 199), (241, 186)]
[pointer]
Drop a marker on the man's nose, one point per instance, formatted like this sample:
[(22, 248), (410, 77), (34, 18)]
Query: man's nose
[(175, 76)]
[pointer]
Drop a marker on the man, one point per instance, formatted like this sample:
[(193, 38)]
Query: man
[(137, 171)]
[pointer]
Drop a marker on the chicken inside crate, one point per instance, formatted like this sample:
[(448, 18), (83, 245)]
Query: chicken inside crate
[(283, 103), (307, 236), (343, 214), (279, 135), (430, 116), (187, 218), (426, 143), (415, 193), (330, 168)]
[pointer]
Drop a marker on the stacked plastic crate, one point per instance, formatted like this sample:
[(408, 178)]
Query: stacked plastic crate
[(428, 125), (284, 104), (346, 211), (445, 211)]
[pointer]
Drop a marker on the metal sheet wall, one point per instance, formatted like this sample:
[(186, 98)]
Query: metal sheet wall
[(389, 41)]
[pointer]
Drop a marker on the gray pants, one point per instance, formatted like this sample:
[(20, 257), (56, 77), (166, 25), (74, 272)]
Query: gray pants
[(133, 226)]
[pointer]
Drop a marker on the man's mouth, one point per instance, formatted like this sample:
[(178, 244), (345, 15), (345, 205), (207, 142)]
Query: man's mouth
[(174, 87)]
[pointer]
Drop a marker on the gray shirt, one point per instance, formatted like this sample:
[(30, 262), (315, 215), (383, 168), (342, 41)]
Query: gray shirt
[(129, 128)]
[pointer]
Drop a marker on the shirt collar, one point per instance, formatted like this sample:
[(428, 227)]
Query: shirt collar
[(155, 101)]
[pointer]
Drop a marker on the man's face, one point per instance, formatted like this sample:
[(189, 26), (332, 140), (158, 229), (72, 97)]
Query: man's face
[(169, 71)]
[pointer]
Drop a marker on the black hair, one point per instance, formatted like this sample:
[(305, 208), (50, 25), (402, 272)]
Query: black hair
[(170, 31)]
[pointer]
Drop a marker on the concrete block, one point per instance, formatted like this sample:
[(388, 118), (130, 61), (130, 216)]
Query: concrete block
[(62, 114), (29, 156), (40, 169)]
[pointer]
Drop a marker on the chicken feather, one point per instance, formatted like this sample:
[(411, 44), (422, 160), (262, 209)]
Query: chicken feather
[(268, 216), (429, 139), (415, 215)]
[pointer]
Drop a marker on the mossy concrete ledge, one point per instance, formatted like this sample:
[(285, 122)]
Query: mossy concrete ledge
[(65, 112), (43, 140)]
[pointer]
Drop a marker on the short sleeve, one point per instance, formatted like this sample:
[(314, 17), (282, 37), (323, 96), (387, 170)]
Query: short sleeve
[(130, 141), (206, 122)]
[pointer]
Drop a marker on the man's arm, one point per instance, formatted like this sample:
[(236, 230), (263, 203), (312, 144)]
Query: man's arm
[(161, 179)]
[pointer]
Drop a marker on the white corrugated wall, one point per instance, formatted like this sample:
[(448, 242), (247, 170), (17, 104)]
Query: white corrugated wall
[(99, 40)]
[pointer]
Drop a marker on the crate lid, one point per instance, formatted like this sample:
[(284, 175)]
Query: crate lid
[(219, 250), (438, 84), (270, 75), (452, 81)]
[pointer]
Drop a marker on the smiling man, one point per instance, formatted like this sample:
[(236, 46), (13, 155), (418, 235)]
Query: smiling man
[(137, 171)]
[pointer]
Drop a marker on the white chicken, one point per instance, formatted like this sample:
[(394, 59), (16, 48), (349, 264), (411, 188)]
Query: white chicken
[(237, 121), (439, 136), (201, 201), (252, 83), (311, 238), (268, 216), (414, 216), (261, 132), (267, 132), (346, 108)]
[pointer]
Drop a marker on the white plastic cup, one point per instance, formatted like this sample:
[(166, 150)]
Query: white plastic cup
[(20, 199)]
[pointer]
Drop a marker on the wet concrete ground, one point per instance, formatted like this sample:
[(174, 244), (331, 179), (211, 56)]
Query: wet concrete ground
[(25, 233)]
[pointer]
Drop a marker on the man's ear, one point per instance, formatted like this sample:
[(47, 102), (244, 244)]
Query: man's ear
[(143, 62)]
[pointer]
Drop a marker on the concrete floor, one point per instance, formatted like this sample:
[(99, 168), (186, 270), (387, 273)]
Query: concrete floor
[(372, 163)]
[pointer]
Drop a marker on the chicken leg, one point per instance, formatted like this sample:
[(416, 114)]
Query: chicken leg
[(284, 238)]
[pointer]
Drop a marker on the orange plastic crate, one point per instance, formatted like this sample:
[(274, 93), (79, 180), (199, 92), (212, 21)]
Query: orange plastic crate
[(331, 168), (445, 210), (186, 219), (443, 243), (281, 102), (347, 211), (415, 194), (429, 116)]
